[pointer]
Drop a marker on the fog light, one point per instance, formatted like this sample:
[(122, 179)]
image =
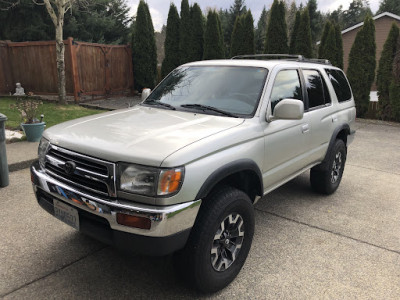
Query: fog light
[(133, 221)]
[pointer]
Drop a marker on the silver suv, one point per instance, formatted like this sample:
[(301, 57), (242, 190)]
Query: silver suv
[(180, 172)]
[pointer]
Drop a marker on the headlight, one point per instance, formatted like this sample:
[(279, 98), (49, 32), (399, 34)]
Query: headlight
[(149, 181), (42, 150)]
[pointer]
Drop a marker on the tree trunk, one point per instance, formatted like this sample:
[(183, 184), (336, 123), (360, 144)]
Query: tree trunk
[(60, 50), (57, 16)]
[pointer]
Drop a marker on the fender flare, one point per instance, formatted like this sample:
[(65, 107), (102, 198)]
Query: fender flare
[(227, 170), (334, 136)]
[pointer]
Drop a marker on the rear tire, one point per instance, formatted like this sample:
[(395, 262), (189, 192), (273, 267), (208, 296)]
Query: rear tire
[(325, 179), (219, 242)]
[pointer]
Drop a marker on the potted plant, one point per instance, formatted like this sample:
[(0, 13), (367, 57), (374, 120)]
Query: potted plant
[(32, 127)]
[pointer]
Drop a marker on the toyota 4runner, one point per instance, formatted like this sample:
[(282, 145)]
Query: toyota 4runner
[(180, 172)]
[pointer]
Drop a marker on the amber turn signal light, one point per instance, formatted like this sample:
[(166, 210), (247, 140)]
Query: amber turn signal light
[(169, 181), (133, 221)]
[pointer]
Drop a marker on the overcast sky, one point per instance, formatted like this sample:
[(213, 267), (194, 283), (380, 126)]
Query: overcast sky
[(159, 8)]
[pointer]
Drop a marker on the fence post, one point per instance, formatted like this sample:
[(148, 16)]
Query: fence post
[(74, 69)]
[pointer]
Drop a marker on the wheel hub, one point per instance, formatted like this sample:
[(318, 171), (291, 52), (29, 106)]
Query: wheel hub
[(227, 242), (336, 167)]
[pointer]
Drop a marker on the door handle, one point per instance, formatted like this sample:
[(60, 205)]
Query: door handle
[(305, 128)]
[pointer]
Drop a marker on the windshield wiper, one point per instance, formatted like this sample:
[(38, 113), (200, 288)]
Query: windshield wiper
[(156, 102), (206, 107)]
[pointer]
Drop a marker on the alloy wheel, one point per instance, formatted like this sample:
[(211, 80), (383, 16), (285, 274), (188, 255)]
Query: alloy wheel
[(336, 167), (227, 242)]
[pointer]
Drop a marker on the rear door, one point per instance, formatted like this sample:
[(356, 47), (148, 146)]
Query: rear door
[(321, 113)]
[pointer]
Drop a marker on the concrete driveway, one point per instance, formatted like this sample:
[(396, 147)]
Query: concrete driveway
[(306, 246)]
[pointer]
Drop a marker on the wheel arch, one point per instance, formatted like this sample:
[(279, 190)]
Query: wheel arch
[(341, 132), (243, 174)]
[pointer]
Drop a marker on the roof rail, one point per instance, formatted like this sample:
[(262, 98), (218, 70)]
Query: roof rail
[(318, 61), (295, 57), (283, 56)]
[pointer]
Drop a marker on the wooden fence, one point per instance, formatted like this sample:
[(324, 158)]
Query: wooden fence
[(90, 69)]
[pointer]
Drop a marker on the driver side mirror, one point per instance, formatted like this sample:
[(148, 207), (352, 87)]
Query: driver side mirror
[(145, 93), (288, 109)]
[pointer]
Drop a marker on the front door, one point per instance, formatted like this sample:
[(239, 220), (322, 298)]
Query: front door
[(286, 141)]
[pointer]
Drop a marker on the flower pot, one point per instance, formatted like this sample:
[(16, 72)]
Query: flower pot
[(33, 131)]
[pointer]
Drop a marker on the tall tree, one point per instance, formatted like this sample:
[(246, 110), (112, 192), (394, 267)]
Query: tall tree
[(243, 35), (221, 41), (330, 46), (238, 8), (361, 70), (248, 30), (213, 40), (357, 12), (172, 56), (225, 19), (118, 12), (392, 6), (295, 33), (260, 32), (160, 43), (315, 22), (276, 41), (322, 45), (144, 49), (385, 72), (339, 46), (291, 16), (237, 37), (197, 30), (185, 32), (99, 21), (32, 24), (303, 40), (394, 92)]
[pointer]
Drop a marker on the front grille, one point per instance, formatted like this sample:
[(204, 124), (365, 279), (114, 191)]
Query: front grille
[(89, 174), (92, 166)]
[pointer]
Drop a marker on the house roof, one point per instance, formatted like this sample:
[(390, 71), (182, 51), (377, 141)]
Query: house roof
[(384, 14)]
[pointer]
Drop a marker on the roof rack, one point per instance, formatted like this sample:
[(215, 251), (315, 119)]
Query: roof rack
[(318, 61), (295, 57)]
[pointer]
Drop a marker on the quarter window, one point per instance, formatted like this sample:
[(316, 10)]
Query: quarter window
[(340, 84), (317, 91), (286, 86)]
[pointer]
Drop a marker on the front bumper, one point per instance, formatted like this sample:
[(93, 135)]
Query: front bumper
[(170, 225)]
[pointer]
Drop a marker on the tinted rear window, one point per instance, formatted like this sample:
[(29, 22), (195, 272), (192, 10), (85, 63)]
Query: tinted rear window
[(318, 94), (340, 84)]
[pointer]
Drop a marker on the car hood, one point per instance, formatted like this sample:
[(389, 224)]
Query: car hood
[(142, 135)]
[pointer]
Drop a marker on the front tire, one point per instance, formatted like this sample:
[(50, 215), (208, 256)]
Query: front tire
[(219, 242), (326, 179)]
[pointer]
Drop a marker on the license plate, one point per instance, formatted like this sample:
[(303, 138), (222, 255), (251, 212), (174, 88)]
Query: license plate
[(66, 213)]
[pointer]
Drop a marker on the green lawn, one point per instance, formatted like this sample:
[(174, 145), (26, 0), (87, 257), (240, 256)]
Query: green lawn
[(53, 113)]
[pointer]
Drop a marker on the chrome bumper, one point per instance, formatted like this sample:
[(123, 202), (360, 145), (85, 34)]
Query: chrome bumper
[(165, 220)]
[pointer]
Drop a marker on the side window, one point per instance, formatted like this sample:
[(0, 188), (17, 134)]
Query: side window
[(340, 84), (317, 90), (286, 85), (326, 92)]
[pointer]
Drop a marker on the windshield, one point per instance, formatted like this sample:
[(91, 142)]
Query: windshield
[(220, 90)]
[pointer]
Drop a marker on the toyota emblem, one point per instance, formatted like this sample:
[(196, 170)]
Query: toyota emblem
[(69, 167)]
